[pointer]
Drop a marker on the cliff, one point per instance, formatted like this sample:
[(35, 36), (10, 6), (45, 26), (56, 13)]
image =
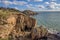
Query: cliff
[(19, 26)]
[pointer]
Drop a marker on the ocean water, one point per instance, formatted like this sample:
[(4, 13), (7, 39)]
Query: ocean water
[(48, 19)]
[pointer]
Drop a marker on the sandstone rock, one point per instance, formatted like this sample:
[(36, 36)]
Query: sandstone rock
[(22, 25), (11, 20), (5, 30), (25, 23)]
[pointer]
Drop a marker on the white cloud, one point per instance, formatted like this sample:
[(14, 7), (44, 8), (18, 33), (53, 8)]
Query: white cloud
[(7, 2), (28, 0), (0, 1), (53, 5), (57, 4), (16, 7), (22, 2), (46, 2), (29, 5), (14, 2), (38, 0), (19, 2), (52, 0), (40, 6), (35, 8)]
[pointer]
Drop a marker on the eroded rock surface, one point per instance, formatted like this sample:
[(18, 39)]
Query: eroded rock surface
[(23, 27), (39, 33), (17, 24)]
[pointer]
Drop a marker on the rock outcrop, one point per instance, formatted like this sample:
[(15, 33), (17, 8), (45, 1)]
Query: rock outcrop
[(39, 33), (17, 24), (29, 12)]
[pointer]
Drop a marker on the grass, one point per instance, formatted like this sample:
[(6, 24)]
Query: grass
[(7, 11)]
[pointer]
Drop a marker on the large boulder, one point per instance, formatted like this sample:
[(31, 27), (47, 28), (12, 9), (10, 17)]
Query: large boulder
[(39, 33)]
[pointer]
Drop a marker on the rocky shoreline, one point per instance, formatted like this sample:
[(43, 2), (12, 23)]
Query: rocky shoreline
[(23, 27)]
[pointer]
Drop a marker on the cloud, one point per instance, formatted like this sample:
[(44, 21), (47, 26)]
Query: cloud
[(6, 2), (0, 1), (38, 0), (19, 2), (36, 7), (53, 0), (33, 8), (40, 6), (29, 5), (46, 2), (28, 0), (22, 2), (14, 2), (52, 5), (16, 8), (47, 5), (57, 4)]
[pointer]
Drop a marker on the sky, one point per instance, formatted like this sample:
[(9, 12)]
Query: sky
[(35, 5)]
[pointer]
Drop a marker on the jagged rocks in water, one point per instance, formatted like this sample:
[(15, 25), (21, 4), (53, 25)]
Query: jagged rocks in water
[(53, 37)]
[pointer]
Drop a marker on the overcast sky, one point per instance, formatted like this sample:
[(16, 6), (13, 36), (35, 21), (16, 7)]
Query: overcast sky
[(35, 5)]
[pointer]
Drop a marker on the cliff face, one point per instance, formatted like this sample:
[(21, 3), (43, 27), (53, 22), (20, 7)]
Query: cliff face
[(25, 22), (22, 27), (17, 24)]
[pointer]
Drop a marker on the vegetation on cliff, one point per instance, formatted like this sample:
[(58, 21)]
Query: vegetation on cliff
[(7, 11)]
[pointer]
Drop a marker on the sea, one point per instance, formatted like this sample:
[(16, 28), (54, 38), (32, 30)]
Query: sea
[(48, 19)]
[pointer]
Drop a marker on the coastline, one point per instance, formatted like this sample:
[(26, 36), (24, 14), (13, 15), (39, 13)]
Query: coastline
[(23, 27)]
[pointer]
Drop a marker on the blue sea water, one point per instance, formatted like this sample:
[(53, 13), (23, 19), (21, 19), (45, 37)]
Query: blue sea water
[(49, 19)]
